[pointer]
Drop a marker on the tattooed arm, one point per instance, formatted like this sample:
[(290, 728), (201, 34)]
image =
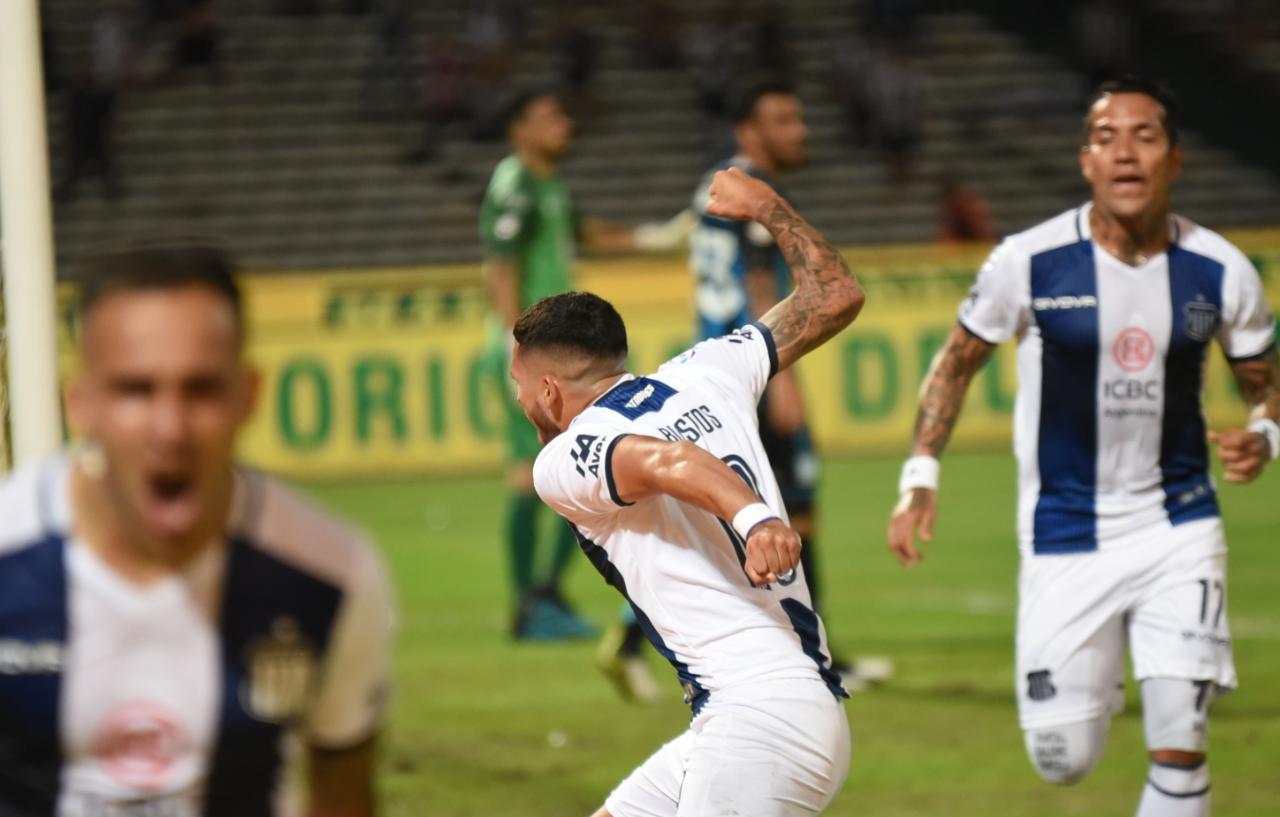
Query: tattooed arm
[(941, 398), (826, 297), (1245, 453), (944, 388)]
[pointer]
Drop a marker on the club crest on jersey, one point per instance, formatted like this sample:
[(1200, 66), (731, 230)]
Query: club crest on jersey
[(281, 667), (1201, 319), (1040, 685)]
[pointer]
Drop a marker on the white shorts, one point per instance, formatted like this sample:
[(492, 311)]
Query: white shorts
[(1163, 590), (769, 749)]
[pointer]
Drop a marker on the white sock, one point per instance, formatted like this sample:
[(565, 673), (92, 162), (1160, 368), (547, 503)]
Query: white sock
[(1176, 791)]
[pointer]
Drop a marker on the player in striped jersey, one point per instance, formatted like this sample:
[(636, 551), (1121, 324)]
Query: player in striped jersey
[(1114, 305), (167, 619), (666, 482)]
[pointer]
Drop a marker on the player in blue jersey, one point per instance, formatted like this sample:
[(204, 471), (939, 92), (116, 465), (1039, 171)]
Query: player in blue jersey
[(167, 618), (1114, 305)]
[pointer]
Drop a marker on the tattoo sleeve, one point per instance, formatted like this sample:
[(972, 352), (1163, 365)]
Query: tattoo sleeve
[(826, 297), (1259, 382), (942, 395)]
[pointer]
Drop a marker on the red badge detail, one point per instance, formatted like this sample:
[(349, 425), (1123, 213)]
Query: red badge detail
[(1134, 349), (138, 743)]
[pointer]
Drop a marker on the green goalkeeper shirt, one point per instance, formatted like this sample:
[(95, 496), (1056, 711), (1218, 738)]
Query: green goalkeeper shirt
[(531, 221)]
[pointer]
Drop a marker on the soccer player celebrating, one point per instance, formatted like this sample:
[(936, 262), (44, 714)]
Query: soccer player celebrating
[(672, 498), (741, 275), (1114, 305), (166, 617), (530, 230)]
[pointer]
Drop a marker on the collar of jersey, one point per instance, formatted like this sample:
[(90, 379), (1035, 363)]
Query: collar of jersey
[(626, 378)]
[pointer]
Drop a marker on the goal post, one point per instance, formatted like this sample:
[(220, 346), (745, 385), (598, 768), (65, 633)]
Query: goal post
[(26, 236)]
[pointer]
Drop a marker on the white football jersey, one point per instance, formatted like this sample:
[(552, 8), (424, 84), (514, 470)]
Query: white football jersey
[(682, 568), (175, 698), (1109, 429)]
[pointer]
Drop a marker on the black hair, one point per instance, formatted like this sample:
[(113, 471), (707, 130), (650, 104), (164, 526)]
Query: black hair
[(1130, 84), (158, 265), (746, 95), (573, 321), (516, 104)]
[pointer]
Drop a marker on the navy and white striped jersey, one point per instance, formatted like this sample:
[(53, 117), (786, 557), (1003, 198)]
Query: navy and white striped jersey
[(722, 251), (1109, 428), (174, 699), (681, 567)]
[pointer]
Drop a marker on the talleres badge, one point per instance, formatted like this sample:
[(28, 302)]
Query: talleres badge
[(281, 667)]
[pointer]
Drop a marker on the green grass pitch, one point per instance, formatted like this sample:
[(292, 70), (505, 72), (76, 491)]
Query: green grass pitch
[(483, 727)]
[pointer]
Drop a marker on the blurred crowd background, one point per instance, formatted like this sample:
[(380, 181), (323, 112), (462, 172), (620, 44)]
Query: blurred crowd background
[(341, 134)]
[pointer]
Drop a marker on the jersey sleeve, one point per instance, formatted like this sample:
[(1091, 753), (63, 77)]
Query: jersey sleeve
[(995, 309), (573, 473), (742, 362), (1248, 327), (355, 674), (506, 219)]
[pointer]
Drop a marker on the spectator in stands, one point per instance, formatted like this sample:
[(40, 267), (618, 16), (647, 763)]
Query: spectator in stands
[(444, 80), (768, 36), (388, 74), (851, 86), (579, 51), (717, 51), (892, 20), (92, 102), (894, 110), (658, 35), (493, 31), (1105, 38), (964, 214), (197, 40)]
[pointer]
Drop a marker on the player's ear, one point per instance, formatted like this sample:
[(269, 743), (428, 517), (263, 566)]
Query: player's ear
[(1086, 164)]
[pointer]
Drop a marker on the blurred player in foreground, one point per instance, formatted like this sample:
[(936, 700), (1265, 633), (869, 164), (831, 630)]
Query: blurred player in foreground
[(1114, 305), (671, 495), (166, 618), (531, 229), (741, 275)]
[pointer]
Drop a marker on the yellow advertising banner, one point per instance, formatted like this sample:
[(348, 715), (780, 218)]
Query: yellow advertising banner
[(375, 373)]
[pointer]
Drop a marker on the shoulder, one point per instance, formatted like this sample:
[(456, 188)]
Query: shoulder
[(293, 530), (1200, 240), (1062, 230), (25, 497), (510, 182)]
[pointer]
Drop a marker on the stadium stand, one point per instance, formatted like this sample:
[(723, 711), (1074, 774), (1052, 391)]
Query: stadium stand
[(283, 159)]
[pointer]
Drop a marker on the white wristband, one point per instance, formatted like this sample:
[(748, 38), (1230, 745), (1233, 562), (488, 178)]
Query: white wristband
[(920, 471), (750, 516), (1271, 430)]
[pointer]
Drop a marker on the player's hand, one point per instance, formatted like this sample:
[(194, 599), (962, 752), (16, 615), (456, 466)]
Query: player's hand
[(735, 194), (772, 550), (1244, 453), (915, 512)]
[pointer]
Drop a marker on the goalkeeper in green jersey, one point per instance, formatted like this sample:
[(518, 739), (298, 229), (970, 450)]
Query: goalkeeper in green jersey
[(531, 231)]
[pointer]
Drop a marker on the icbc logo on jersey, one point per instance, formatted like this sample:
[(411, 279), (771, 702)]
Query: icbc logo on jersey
[(138, 743), (1134, 349)]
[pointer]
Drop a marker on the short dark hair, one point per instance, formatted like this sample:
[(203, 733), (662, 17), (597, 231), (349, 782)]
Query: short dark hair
[(516, 104), (746, 95), (1130, 84), (576, 322), (159, 265)]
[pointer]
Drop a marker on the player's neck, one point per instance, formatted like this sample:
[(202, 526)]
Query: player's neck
[(538, 164), (98, 523), (1132, 240)]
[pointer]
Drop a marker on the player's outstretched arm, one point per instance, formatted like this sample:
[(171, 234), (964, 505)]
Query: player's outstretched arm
[(826, 297), (1245, 452), (646, 466), (941, 398)]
